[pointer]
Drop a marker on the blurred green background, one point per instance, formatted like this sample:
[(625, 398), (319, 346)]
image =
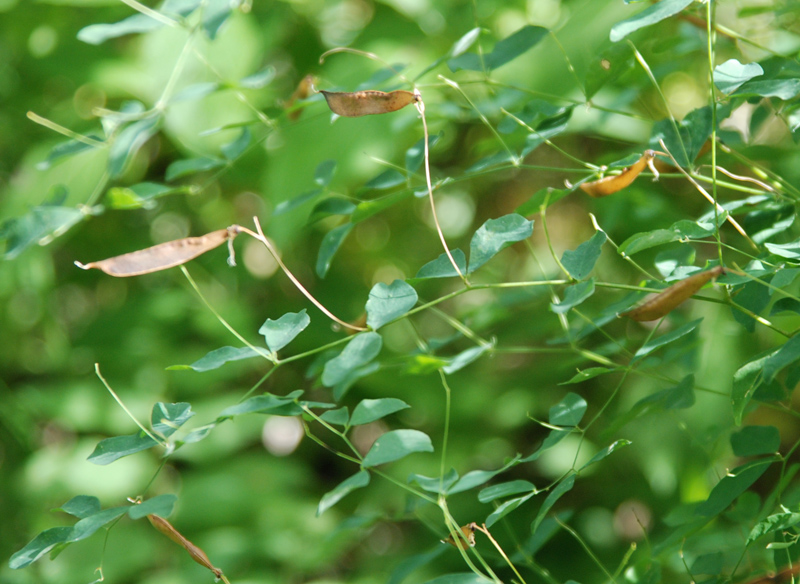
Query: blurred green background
[(249, 505)]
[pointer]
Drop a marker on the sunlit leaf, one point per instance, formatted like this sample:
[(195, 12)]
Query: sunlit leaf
[(459, 47), (161, 505), (495, 235), (731, 74), (281, 332), (181, 168), (569, 411), (166, 418), (395, 445), (369, 410), (387, 303), (218, 357), (441, 267), (781, 88), (649, 16), (464, 358), (362, 349), (330, 245), (329, 499), (39, 546)]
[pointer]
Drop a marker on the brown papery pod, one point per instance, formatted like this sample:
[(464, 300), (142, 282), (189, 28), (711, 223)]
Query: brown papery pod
[(611, 184), (365, 103), (665, 302), (469, 534), (303, 91), (195, 552), (162, 256)]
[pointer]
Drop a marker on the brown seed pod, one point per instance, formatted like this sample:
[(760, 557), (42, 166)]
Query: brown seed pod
[(197, 554), (364, 103), (469, 534), (303, 91), (162, 256), (611, 184), (668, 300)]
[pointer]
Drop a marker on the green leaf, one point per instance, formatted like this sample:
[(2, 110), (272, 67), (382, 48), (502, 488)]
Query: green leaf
[(361, 349), (693, 132), (416, 154), (732, 74), (786, 355), (787, 250), (161, 506), (607, 451), (642, 241), (569, 411), (441, 266), (39, 546), (329, 207), (489, 494), (66, 150), (329, 499), (553, 438), (412, 563), (587, 374), (464, 358), (215, 13), (580, 263), (128, 142), (281, 332), (730, 487), (573, 296), (166, 418), (330, 245), (607, 67), (141, 195), (546, 130), (340, 389), (543, 197), (772, 524), (324, 172), (649, 16), (495, 235), (745, 383), (386, 180), (434, 484), (111, 449), (681, 396), (756, 440), (369, 410), (460, 578), (785, 89), (259, 79), (340, 417), (708, 564), (506, 508), (458, 48), (96, 34), (265, 404), (657, 343), (504, 51), (387, 303), (181, 168), (563, 487), (81, 506), (195, 91), (476, 478), (39, 225), (232, 150), (218, 357), (395, 445), (293, 203)]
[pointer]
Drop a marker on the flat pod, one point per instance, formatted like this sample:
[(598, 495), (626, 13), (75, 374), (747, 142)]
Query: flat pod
[(365, 103), (469, 535), (197, 554), (668, 300), (611, 184), (302, 92), (162, 256)]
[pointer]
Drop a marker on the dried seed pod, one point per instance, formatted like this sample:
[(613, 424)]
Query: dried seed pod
[(303, 91), (611, 184), (197, 554), (665, 302), (162, 256), (469, 534), (364, 103)]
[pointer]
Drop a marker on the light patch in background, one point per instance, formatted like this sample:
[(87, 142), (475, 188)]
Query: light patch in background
[(544, 13), (340, 23), (373, 235), (387, 274), (455, 210), (88, 97), (597, 525), (169, 226), (42, 41), (257, 259), (559, 459), (6, 5), (281, 435), (682, 93), (632, 520), (660, 474)]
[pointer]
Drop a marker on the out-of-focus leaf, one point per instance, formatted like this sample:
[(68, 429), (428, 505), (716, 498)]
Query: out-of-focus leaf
[(128, 142), (386, 180), (731, 74), (236, 148), (324, 172), (460, 578), (606, 67), (745, 383), (66, 150), (181, 168), (264, 404), (569, 411), (495, 235), (649, 16), (369, 410), (489, 494), (395, 445), (218, 357), (587, 374), (389, 302), (215, 13), (39, 546), (195, 91), (329, 246), (329, 499), (409, 565), (458, 48), (784, 89), (39, 225), (464, 358), (607, 451), (259, 79), (546, 197), (580, 262), (362, 349), (441, 266), (161, 505), (416, 154), (141, 195), (281, 332), (293, 203), (504, 51), (111, 449)]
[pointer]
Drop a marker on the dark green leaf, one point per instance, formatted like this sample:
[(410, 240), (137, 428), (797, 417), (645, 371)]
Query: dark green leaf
[(369, 410), (495, 235), (708, 564), (504, 51), (580, 263), (387, 303), (111, 449), (434, 484), (165, 418), (458, 48), (781, 88), (489, 494), (340, 417), (587, 374), (409, 565), (128, 142), (331, 206), (161, 506), (39, 546), (464, 358), (324, 172), (642, 241), (544, 197), (506, 508), (546, 130), (329, 499), (574, 295), (386, 180), (289, 204), (475, 478), (181, 168), (607, 451), (340, 389), (650, 15), (786, 355), (218, 357), (730, 487), (441, 266), (681, 396), (89, 525), (361, 349), (772, 524), (569, 411), (745, 383), (395, 445), (81, 506), (756, 440), (416, 154), (753, 296), (731, 74), (563, 487), (553, 438), (281, 332), (330, 245), (693, 132), (670, 337), (264, 404), (606, 67)]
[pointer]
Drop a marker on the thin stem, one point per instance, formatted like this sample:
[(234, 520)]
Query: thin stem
[(125, 409), (51, 125), (713, 96), (483, 529), (154, 14), (446, 433), (625, 256), (176, 72)]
